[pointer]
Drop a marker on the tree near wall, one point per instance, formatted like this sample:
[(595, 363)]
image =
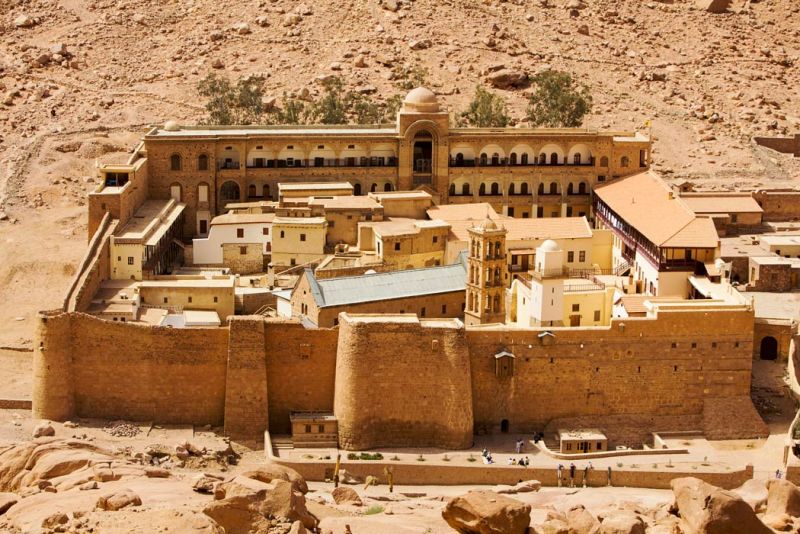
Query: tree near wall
[(558, 101), (229, 103), (487, 110)]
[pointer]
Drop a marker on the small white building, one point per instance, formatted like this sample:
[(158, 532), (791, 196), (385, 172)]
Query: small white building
[(233, 228)]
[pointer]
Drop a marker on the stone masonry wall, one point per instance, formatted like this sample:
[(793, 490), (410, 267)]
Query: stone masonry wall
[(402, 384), (96, 368), (779, 205), (301, 369), (395, 381), (249, 263), (246, 400), (630, 369)]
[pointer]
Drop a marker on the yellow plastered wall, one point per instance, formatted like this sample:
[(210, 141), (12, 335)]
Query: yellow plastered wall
[(218, 299), (122, 267), (287, 244), (588, 303)]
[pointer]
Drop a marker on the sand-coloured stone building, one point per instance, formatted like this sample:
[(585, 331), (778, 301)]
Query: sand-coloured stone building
[(428, 357)]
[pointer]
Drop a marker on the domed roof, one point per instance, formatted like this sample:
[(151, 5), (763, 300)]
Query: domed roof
[(488, 224), (171, 126), (549, 246), (421, 100)]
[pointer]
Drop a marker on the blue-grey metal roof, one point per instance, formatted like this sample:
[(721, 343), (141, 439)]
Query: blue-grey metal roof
[(329, 292)]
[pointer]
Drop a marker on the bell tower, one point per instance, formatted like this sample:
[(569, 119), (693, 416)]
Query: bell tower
[(487, 273), (423, 128)]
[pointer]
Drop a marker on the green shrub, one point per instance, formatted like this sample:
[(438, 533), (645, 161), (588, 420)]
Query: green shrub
[(558, 101), (487, 110), (372, 510)]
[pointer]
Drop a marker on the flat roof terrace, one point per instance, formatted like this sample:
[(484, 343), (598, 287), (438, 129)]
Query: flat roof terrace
[(150, 222)]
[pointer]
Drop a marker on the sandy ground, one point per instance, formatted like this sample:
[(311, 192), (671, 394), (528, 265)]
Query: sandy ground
[(16, 378)]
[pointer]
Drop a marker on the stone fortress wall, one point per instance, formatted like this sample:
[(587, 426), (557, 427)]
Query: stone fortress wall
[(396, 379), (402, 382)]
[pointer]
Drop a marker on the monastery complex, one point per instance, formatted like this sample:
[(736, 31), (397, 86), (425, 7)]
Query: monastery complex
[(416, 285)]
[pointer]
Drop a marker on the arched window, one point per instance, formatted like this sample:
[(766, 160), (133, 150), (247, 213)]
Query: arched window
[(465, 189), (553, 159), (624, 162), (496, 307), (542, 159), (495, 159), (553, 188), (495, 188), (175, 162), (541, 189), (229, 191), (459, 159), (524, 159), (482, 190), (452, 190), (202, 162), (582, 188), (484, 158), (604, 161), (524, 188), (511, 188), (356, 188), (387, 186), (497, 255), (577, 158), (373, 187), (251, 190), (513, 159), (570, 189)]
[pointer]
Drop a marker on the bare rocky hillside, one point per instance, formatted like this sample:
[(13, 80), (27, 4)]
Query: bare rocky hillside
[(81, 79)]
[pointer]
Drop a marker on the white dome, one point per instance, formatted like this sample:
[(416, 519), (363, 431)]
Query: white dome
[(421, 100), (549, 246), (171, 126)]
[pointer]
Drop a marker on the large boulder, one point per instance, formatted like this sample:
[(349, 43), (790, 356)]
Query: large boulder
[(272, 471), (507, 79), (486, 512), (26, 464), (581, 521), (553, 526), (117, 500), (345, 495), (711, 510), (622, 522), (754, 493), (713, 6), (244, 504), (783, 498)]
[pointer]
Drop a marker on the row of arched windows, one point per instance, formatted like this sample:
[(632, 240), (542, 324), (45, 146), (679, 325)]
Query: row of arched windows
[(581, 188), (487, 160), (492, 303), (176, 160)]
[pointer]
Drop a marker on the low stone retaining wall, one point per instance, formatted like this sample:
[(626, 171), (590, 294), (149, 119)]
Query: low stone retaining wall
[(15, 404), (445, 475), (424, 474)]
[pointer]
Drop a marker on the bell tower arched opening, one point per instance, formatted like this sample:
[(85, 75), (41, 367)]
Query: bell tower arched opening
[(422, 157)]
